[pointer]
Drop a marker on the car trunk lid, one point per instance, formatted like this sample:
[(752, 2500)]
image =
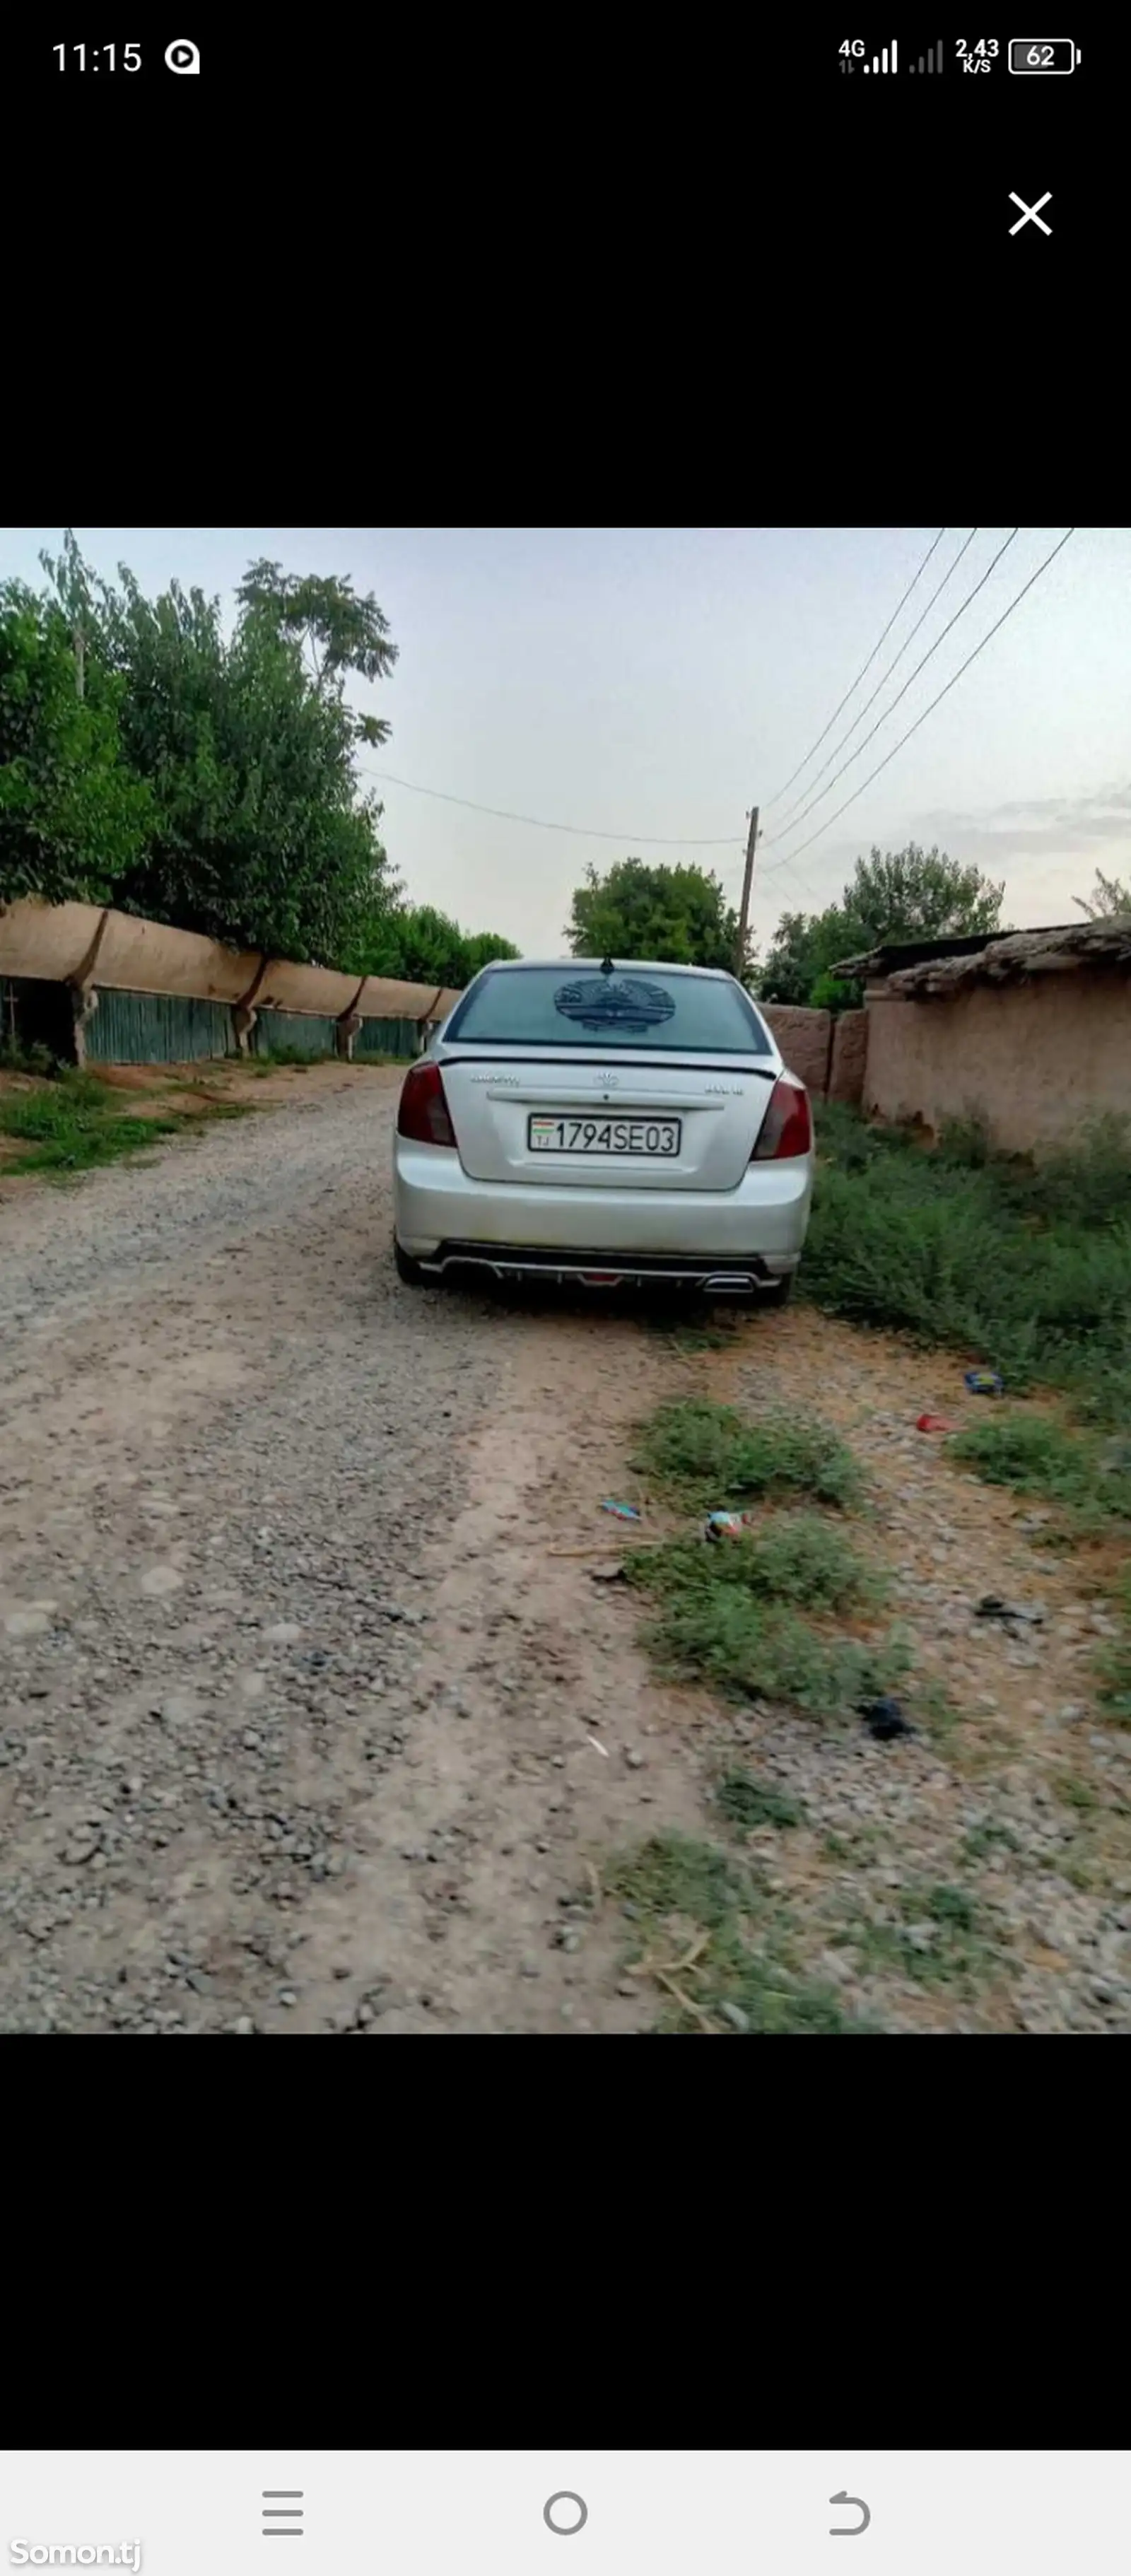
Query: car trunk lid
[(586, 1120)]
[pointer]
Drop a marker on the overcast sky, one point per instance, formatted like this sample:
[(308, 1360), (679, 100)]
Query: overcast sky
[(651, 683)]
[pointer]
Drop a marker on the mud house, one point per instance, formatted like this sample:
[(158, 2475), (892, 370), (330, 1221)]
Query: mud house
[(1030, 1030)]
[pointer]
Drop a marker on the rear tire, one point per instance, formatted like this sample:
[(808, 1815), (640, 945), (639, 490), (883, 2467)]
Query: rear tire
[(410, 1272), (781, 1292)]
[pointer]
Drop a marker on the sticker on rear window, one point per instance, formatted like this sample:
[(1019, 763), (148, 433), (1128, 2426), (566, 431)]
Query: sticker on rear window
[(600, 1002)]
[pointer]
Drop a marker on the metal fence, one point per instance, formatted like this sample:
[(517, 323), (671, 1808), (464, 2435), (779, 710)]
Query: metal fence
[(165, 1028), (156, 1028), (275, 1031), (388, 1038)]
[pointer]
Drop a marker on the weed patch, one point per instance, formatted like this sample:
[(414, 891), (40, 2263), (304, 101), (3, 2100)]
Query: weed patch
[(1022, 1263), (938, 1935), (713, 1625), (1089, 1477), (713, 1457), (749, 1803), (75, 1126), (714, 1947)]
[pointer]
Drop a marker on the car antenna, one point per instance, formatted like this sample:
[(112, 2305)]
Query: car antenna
[(607, 966)]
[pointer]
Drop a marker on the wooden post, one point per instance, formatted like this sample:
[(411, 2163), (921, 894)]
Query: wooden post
[(748, 878)]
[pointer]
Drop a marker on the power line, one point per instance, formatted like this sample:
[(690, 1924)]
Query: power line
[(885, 675), (803, 764), (921, 719), (900, 693), (803, 882), (657, 840)]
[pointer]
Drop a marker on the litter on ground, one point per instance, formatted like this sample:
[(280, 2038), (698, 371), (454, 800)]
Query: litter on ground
[(885, 1720), (728, 1524)]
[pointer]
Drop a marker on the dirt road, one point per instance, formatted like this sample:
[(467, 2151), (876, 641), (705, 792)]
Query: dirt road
[(311, 1714)]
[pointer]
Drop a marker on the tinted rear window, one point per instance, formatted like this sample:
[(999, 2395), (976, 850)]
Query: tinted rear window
[(557, 1006)]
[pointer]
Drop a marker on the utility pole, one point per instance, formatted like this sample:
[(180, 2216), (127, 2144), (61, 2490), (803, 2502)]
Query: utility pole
[(744, 915)]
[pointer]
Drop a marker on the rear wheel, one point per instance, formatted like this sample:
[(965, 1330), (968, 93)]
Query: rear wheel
[(780, 1293), (410, 1271)]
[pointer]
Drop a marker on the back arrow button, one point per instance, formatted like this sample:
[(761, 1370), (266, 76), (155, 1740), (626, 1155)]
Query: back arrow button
[(849, 2530)]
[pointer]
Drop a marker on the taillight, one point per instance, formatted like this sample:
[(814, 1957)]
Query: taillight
[(423, 1113), (787, 1127)]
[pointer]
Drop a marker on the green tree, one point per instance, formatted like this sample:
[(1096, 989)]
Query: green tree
[(919, 894), (1108, 899), (483, 946), (73, 816), (678, 916), (339, 631), (909, 894), (71, 579), (426, 947), (805, 948), (260, 837)]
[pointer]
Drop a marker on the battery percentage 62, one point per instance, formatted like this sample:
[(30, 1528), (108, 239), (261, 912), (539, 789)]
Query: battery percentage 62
[(1030, 54)]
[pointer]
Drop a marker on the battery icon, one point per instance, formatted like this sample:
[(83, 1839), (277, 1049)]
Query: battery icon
[(1031, 54)]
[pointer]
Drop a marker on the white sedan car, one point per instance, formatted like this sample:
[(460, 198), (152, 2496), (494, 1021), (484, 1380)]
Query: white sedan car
[(606, 1124)]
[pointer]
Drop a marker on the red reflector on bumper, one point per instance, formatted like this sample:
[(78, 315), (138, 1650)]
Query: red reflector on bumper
[(601, 1278)]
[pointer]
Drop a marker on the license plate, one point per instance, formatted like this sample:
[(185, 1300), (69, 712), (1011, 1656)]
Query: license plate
[(644, 1136)]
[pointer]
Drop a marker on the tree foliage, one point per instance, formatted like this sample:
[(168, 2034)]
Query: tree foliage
[(260, 837), (905, 894), (1108, 899), (678, 916), (339, 631), (426, 947), (73, 815), (206, 776)]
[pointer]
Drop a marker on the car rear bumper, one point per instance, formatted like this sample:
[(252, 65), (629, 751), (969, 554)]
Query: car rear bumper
[(443, 1218)]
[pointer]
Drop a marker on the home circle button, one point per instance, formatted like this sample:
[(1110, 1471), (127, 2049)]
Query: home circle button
[(560, 2516)]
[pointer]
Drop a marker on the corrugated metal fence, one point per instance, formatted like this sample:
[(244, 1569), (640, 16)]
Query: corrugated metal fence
[(156, 1028), (387, 1037), (165, 1028), (275, 1031)]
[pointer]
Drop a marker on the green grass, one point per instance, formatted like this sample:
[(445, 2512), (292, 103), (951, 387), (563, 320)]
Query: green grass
[(34, 1059), (720, 1618), (796, 1557), (299, 1057), (1076, 1793), (681, 1890), (939, 1936), (734, 1613), (1023, 1265), (713, 1458), (749, 1803), (76, 1127), (983, 1839), (1087, 1476), (752, 1652)]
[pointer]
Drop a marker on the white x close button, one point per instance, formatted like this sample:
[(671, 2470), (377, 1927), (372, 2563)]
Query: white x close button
[(1030, 214)]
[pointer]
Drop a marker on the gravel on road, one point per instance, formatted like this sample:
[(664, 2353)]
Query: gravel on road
[(283, 1742), (312, 1717)]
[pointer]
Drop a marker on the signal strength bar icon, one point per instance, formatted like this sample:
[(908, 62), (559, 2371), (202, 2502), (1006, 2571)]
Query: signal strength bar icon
[(881, 62), (930, 62)]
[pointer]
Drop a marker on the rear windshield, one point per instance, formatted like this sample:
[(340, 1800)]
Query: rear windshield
[(556, 1006)]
